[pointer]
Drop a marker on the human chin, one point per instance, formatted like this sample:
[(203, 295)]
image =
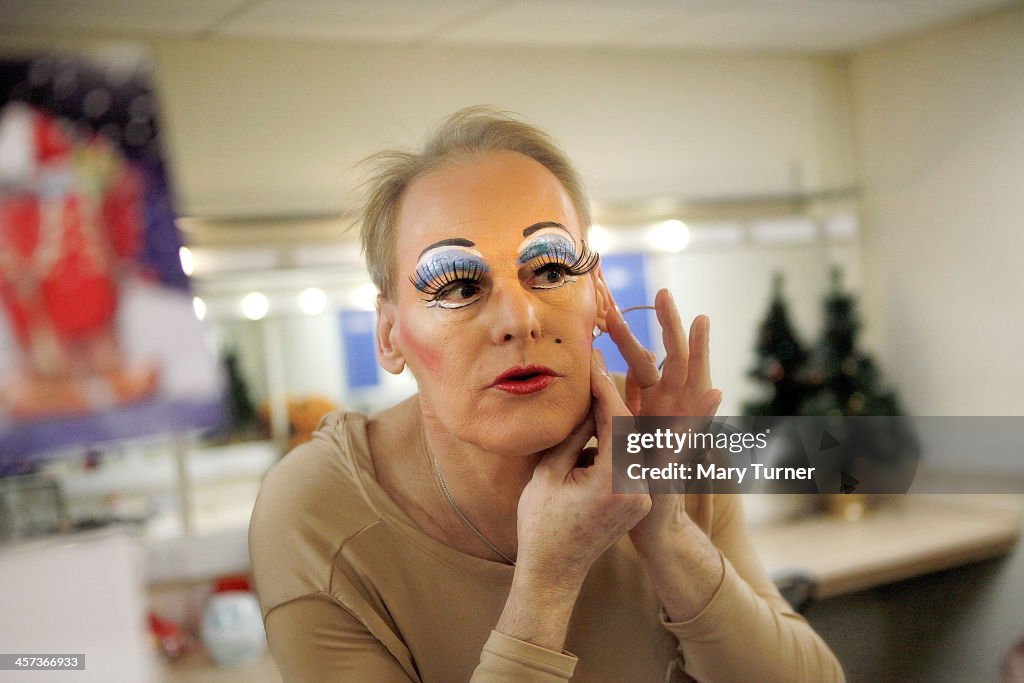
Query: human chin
[(508, 425), (521, 432), (527, 427)]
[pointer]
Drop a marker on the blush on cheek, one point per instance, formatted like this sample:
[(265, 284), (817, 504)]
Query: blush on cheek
[(427, 356)]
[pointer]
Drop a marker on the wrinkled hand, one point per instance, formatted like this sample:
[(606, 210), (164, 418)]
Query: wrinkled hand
[(568, 515), (681, 388), (683, 385)]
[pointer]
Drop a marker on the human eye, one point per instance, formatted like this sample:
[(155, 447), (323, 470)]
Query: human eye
[(557, 263), (550, 276), (450, 281), (458, 294)]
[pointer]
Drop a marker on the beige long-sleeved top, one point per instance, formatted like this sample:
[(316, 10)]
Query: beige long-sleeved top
[(352, 590)]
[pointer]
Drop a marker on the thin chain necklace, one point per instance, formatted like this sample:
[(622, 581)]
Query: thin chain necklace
[(462, 515)]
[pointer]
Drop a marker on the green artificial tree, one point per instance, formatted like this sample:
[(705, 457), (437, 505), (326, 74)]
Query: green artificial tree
[(240, 409), (840, 379), (836, 380), (780, 361)]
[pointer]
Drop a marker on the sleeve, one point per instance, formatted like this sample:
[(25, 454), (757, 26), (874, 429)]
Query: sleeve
[(507, 659), (314, 639), (748, 631)]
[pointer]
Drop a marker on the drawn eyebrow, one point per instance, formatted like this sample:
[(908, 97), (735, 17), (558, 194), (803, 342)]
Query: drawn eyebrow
[(453, 242), (544, 224)]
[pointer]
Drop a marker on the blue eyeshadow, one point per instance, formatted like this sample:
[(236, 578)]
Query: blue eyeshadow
[(444, 267), (554, 246)]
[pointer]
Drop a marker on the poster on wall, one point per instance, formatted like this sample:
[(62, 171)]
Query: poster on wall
[(358, 333), (98, 337)]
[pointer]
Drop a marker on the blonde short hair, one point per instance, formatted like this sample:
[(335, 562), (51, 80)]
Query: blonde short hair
[(469, 131)]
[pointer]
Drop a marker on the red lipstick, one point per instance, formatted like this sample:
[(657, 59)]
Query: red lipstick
[(525, 379)]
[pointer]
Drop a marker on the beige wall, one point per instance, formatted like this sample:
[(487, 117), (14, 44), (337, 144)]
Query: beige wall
[(272, 127), (939, 124)]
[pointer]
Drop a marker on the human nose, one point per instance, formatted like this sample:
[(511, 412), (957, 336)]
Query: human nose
[(515, 314)]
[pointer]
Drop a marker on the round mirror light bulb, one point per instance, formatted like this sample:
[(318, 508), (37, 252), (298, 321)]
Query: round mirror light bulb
[(670, 236), (313, 301), (255, 306)]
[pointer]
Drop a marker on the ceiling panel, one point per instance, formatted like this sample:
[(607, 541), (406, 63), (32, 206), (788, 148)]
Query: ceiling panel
[(359, 20), (142, 16), (790, 25), (813, 25), (570, 22)]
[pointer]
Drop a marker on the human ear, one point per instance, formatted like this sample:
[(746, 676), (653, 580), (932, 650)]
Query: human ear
[(603, 300), (388, 354)]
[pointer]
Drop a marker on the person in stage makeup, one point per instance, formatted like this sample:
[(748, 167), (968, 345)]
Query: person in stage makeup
[(469, 533)]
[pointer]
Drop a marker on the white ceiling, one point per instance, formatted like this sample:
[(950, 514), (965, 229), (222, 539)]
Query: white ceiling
[(778, 25)]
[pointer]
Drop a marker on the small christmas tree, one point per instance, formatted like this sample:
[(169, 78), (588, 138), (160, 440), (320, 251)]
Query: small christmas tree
[(842, 380), (240, 410), (780, 360)]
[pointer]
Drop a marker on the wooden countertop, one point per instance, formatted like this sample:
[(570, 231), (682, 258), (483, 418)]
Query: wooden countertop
[(906, 536), (198, 667)]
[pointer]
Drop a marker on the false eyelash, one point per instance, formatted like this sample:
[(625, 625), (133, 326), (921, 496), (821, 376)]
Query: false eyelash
[(432, 278), (563, 255)]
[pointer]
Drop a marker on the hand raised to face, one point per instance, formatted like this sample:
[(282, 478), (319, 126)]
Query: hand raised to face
[(568, 514), (682, 386)]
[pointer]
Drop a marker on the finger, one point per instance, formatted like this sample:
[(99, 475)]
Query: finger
[(709, 403), (642, 363), (699, 372), (673, 336), (561, 459), (607, 404), (634, 396), (707, 407), (607, 401)]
